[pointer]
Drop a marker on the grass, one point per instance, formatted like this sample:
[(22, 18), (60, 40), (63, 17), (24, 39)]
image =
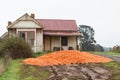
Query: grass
[(114, 68), (17, 71), (33, 73), (109, 53), (12, 72), (36, 54)]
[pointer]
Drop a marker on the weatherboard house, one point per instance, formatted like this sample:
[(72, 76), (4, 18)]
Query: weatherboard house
[(45, 34)]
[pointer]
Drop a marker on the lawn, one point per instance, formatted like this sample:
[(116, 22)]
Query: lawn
[(18, 71)]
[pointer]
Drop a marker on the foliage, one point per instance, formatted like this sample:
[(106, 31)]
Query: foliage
[(98, 47), (87, 41), (116, 49), (17, 47)]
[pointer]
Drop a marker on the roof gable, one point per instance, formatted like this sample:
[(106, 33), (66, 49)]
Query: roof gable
[(25, 21), (58, 25)]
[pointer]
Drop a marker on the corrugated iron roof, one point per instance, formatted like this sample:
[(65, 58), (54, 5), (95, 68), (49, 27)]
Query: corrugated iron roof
[(58, 25)]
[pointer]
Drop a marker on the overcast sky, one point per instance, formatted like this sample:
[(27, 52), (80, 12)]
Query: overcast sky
[(102, 15)]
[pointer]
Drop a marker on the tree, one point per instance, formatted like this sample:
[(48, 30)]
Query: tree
[(87, 41), (98, 47)]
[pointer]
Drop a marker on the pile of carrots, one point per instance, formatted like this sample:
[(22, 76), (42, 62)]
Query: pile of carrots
[(66, 57)]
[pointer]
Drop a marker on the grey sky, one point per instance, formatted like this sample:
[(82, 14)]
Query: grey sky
[(102, 15)]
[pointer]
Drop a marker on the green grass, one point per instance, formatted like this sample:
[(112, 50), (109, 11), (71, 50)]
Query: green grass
[(17, 71), (33, 73), (109, 53), (36, 54), (114, 68), (12, 72)]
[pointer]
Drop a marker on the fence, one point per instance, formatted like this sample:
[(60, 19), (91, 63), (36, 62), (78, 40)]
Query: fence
[(4, 61)]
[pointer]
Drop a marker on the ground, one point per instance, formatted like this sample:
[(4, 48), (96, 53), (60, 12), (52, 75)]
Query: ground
[(102, 71), (88, 71), (78, 72)]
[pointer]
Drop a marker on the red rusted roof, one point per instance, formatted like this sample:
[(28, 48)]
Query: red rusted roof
[(58, 25)]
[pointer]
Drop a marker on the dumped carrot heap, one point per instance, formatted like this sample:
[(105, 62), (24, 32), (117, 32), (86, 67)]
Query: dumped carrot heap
[(66, 57)]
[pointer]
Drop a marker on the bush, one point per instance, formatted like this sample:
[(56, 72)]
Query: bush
[(17, 47)]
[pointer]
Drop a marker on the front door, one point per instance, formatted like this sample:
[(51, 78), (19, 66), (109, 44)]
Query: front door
[(47, 43)]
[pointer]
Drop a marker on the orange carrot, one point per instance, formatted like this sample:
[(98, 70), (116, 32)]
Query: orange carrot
[(66, 57)]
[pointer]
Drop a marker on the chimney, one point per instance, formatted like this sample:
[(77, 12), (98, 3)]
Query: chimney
[(9, 23), (33, 16)]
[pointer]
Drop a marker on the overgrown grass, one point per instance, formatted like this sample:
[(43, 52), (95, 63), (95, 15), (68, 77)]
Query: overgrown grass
[(17, 71), (114, 68), (12, 72), (33, 73)]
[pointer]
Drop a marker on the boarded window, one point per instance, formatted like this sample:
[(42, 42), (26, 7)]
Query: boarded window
[(64, 41)]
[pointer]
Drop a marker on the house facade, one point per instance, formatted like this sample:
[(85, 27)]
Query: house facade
[(45, 34)]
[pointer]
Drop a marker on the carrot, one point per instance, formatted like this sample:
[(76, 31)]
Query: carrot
[(66, 57)]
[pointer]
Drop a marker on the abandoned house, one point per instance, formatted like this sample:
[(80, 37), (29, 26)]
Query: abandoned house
[(45, 34)]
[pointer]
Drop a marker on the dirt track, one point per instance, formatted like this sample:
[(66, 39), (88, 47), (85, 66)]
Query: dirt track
[(78, 72)]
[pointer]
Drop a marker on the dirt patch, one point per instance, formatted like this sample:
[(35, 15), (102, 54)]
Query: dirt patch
[(78, 72)]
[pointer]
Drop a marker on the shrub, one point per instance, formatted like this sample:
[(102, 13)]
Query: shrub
[(17, 47)]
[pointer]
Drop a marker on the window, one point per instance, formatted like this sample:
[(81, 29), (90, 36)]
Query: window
[(32, 42), (22, 35), (28, 36), (64, 41)]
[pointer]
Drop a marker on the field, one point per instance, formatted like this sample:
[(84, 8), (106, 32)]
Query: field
[(18, 71)]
